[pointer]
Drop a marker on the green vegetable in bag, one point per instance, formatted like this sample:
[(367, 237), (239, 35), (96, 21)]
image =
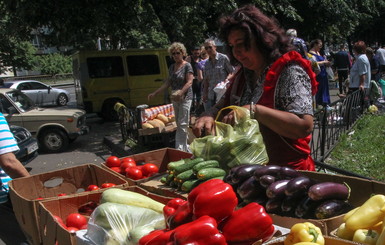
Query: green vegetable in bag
[(233, 145)]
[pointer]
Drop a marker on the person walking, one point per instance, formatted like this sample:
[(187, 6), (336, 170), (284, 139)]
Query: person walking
[(217, 69), (180, 80), (11, 168), (322, 97), (380, 53), (342, 63)]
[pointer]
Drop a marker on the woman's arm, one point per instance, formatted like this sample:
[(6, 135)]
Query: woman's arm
[(164, 86)]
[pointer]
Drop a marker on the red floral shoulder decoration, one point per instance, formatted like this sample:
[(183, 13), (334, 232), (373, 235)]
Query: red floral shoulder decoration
[(276, 68)]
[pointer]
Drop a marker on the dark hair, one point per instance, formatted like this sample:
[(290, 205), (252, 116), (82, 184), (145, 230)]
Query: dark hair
[(271, 39), (360, 47), (314, 42)]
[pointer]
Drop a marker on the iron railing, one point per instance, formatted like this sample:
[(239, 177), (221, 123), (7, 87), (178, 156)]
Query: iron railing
[(329, 124)]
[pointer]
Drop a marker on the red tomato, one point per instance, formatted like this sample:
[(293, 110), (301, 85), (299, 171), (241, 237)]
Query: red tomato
[(127, 164), (72, 229), (61, 194), (113, 161), (39, 198), (128, 159), (108, 185), (76, 220), (134, 173), (92, 188), (117, 169), (149, 169)]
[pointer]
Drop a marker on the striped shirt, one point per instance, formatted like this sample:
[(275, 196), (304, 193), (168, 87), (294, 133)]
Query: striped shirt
[(7, 144)]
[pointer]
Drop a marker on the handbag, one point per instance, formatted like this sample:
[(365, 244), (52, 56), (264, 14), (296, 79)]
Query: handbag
[(330, 73)]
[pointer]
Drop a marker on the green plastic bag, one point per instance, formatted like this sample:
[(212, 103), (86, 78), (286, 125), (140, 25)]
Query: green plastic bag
[(233, 145)]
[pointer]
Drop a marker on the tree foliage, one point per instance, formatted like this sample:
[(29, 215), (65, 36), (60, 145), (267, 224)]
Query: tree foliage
[(53, 64), (125, 24)]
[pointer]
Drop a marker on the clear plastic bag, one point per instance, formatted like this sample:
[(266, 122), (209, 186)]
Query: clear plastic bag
[(121, 224), (233, 145)]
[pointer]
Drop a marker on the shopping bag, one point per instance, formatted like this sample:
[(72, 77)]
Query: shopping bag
[(241, 143), (330, 73)]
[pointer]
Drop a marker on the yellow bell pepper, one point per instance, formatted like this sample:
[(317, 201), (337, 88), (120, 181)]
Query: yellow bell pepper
[(348, 214), (365, 236), (344, 233), (367, 215), (305, 243), (304, 232)]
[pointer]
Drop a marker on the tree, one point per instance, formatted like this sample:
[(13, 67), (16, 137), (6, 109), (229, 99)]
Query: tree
[(53, 64)]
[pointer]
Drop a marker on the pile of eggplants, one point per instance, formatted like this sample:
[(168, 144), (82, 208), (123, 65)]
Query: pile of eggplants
[(287, 192)]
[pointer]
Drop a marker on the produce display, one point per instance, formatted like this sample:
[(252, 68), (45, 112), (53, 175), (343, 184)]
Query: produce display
[(364, 224), (186, 174), (285, 191), (209, 217), (130, 168)]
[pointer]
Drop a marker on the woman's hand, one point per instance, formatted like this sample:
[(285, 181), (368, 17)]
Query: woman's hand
[(204, 124), (177, 96)]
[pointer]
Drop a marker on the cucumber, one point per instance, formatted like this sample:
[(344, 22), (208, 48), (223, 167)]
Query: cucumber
[(206, 164), (163, 180), (188, 165), (172, 165), (169, 178), (209, 173), (186, 175), (188, 185)]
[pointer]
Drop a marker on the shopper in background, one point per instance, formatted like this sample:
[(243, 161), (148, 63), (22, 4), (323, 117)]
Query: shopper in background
[(180, 80), (342, 63), (380, 53), (194, 59), (217, 69), (297, 42), (273, 77), (11, 168), (374, 64)]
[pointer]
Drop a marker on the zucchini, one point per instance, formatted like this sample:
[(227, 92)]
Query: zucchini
[(209, 173), (188, 185), (206, 164), (186, 175), (172, 165), (188, 165)]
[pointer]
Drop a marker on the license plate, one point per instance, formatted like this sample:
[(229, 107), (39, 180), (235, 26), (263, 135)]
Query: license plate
[(32, 148)]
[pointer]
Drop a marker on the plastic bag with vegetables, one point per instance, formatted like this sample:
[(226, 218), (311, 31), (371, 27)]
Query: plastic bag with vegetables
[(121, 224), (233, 145)]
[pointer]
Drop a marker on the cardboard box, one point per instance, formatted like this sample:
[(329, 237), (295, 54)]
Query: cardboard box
[(159, 157), (361, 190), (328, 241), (52, 232), (71, 181)]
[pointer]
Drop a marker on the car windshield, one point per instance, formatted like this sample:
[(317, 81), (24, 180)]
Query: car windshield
[(21, 100)]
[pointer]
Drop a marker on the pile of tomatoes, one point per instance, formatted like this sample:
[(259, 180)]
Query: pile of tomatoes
[(130, 168)]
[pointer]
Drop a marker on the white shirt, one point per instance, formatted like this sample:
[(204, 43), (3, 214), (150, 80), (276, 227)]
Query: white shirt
[(360, 67), (380, 53)]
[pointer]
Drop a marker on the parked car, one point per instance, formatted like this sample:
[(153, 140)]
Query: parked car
[(40, 93), (54, 128), (27, 144)]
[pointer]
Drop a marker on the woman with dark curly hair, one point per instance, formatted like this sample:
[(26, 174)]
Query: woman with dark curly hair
[(274, 81)]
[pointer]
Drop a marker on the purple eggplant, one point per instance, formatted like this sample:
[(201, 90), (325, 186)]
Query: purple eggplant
[(250, 188), (329, 190), (288, 173), (266, 180), (274, 205), (273, 170), (277, 189), (289, 204), (298, 186), (306, 208), (332, 208), (244, 172)]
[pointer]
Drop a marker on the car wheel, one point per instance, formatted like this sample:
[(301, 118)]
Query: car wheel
[(62, 100), (108, 112), (53, 140)]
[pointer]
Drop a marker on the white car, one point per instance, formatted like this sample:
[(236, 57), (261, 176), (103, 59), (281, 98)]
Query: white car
[(40, 93)]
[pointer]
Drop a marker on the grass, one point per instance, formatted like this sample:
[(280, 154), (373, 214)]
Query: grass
[(362, 149)]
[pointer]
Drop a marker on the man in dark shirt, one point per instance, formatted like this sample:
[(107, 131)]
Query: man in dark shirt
[(342, 63)]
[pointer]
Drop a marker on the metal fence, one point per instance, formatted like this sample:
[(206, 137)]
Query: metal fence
[(329, 124)]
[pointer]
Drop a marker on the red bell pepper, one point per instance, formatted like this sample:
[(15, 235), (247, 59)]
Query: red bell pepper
[(248, 224), (171, 206), (157, 237), (202, 231), (214, 198), (182, 215)]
